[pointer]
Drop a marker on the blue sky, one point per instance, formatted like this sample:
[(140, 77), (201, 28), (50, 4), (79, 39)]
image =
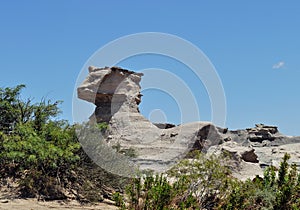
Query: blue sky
[(254, 46)]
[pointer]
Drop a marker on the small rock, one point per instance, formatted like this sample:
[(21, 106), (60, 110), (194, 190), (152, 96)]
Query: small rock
[(249, 156), (173, 134), (4, 201)]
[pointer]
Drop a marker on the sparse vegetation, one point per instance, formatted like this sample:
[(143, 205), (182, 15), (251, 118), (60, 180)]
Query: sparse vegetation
[(43, 155), (203, 183), (130, 152), (197, 183), (277, 189)]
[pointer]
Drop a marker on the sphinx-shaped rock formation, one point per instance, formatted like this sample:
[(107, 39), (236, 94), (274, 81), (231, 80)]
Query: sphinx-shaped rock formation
[(116, 94)]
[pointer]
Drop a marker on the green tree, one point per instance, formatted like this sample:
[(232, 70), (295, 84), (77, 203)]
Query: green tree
[(34, 144), (12, 110)]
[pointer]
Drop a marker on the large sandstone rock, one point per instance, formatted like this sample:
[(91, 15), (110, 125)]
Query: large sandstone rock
[(116, 94)]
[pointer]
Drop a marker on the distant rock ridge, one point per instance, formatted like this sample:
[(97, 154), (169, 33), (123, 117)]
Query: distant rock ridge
[(116, 94)]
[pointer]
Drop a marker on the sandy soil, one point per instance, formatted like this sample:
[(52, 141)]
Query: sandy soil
[(9, 201), (33, 204)]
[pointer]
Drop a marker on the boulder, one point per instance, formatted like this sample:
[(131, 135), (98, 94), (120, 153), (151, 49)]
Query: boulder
[(246, 154), (243, 161)]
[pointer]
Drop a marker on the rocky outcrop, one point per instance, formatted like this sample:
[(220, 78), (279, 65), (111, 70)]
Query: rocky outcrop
[(164, 125), (111, 90), (262, 132), (243, 159), (116, 94), (272, 155)]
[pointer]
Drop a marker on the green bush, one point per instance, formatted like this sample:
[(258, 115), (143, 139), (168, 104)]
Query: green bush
[(204, 178), (35, 147), (149, 192), (12, 109), (204, 183), (278, 190), (198, 183)]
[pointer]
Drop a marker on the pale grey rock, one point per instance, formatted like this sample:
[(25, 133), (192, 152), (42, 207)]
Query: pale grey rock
[(245, 153), (116, 94), (247, 170), (243, 161), (273, 155), (111, 90)]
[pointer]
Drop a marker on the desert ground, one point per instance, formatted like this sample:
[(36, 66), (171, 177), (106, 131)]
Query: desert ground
[(34, 204)]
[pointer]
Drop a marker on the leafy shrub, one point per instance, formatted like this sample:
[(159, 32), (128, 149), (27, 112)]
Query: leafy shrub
[(102, 127), (12, 110), (151, 192), (276, 190), (198, 183), (203, 178), (204, 183), (35, 147), (119, 201)]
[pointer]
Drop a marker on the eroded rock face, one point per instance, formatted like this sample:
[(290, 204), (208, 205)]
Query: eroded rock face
[(262, 132), (111, 90), (244, 161), (116, 94)]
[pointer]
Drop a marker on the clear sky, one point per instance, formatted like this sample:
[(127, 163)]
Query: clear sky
[(254, 46)]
